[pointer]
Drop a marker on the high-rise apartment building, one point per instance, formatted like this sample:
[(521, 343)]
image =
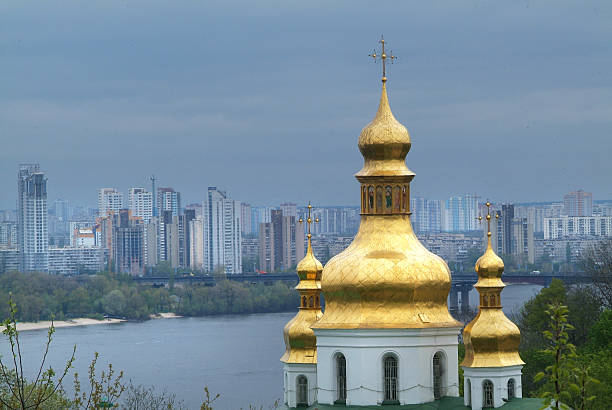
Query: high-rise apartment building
[(168, 200), (127, 243), (289, 209), (196, 243), (267, 257), (140, 202), (8, 235), (293, 241), (246, 218), (32, 229), (109, 199), (281, 242), (259, 215), (578, 203), (222, 226), (511, 235), (460, 213)]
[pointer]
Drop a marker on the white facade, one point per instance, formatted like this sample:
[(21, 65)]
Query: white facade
[(222, 222), (76, 260), (504, 383), (365, 351), (196, 243), (294, 387), (559, 227), (109, 199), (32, 217), (141, 203)]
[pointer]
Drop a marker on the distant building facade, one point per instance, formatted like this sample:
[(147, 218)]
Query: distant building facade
[(578, 203), (577, 226), (140, 202), (32, 224), (222, 226), (109, 199)]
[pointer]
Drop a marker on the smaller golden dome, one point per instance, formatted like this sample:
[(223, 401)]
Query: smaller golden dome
[(309, 268), (489, 267), (384, 143), (300, 340), (491, 339)]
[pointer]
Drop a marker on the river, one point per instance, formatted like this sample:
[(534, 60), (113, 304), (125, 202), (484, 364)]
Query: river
[(235, 356)]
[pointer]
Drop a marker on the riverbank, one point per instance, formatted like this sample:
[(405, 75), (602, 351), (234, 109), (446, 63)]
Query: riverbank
[(45, 324)]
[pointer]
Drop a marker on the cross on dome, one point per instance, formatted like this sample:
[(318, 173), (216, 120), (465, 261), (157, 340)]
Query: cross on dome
[(383, 56), (488, 218), (309, 220)]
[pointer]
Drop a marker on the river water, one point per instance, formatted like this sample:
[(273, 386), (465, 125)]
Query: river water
[(235, 356)]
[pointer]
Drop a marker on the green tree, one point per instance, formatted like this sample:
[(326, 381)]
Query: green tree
[(562, 351)]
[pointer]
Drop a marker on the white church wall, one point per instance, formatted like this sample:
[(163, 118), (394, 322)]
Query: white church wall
[(365, 350), (291, 373), (474, 378)]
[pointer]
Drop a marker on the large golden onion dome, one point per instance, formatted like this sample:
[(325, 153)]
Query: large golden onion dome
[(386, 278), (300, 340), (491, 339)]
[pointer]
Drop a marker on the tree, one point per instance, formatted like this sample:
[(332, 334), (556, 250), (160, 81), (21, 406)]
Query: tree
[(596, 261), (15, 391), (561, 351)]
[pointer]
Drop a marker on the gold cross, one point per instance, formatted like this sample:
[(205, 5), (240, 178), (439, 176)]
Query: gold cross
[(488, 217), (383, 56), (309, 220)]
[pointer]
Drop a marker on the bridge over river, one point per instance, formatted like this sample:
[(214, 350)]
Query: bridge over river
[(462, 284)]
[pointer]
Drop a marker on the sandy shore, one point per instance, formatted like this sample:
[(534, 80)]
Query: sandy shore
[(63, 323)]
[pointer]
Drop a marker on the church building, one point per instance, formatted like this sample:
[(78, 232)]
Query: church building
[(386, 336)]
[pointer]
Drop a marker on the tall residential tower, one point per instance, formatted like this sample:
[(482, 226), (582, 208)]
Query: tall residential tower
[(32, 233)]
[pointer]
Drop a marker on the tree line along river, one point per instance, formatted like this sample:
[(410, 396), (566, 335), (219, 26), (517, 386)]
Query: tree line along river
[(236, 356)]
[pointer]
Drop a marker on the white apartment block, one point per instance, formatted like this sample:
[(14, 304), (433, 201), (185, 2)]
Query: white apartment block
[(76, 261), (222, 226), (564, 226), (109, 199), (140, 202), (32, 228), (196, 243)]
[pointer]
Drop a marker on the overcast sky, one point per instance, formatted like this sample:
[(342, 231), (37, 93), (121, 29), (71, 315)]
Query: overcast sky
[(510, 100)]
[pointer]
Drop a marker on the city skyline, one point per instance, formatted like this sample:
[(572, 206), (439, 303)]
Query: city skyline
[(195, 103)]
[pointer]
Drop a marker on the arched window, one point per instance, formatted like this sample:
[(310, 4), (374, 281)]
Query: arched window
[(390, 379), (364, 195), (379, 202), (397, 199), (511, 389), (311, 302), (388, 199), (371, 199), (404, 207), (487, 393), (318, 302), (341, 378), (303, 301), (302, 391), (438, 371)]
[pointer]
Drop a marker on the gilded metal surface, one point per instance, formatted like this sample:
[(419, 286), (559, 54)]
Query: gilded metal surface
[(300, 340), (491, 339), (384, 143), (386, 279)]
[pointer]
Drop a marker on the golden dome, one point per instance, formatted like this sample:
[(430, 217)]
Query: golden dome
[(385, 278), (491, 339), (384, 143), (300, 340), (309, 269)]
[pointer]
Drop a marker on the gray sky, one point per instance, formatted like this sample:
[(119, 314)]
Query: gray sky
[(510, 100)]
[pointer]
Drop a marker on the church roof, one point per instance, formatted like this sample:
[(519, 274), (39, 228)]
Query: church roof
[(446, 403)]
